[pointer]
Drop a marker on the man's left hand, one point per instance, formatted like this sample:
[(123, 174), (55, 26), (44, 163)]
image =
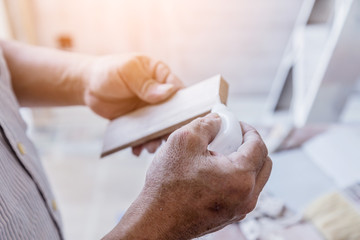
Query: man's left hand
[(119, 84)]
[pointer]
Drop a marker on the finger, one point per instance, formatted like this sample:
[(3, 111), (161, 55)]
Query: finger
[(253, 152), (263, 176), (205, 129), (163, 74), (196, 136), (173, 79), (154, 92), (160, 71), (248, 131), (253, 139), (153, 145), (137, 150), (138, 77)]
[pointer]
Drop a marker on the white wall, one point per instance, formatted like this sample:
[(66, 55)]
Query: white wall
[(4, 24), (243, 40)]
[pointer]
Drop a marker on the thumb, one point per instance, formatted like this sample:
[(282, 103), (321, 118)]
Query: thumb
[(154, 92), (205, 129)]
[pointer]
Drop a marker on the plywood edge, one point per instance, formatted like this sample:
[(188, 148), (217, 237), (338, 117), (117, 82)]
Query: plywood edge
[(223, 91), (153, 136)]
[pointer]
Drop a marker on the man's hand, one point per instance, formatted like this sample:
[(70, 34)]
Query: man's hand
[(116, 85), (190, 191), (121, 83)]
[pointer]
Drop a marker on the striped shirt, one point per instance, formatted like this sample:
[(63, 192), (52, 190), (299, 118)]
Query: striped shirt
[(27, 206)]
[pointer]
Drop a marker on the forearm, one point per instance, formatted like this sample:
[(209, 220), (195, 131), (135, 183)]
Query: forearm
[(149, 219), (139, 222), (45, 77)]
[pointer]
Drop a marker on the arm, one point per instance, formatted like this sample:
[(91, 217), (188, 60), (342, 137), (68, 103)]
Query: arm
[(45, 77), (190, 191), (109, 85)]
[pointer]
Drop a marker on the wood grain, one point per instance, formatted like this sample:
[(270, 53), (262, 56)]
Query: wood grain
[(154, 121)]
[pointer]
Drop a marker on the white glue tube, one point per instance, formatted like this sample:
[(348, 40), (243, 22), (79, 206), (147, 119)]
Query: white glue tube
[(229, 137)]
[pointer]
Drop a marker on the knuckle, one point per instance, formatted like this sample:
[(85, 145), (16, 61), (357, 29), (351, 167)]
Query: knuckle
[(253, 132), (261, 147), (205, 124), (177, 136), (246, 188), (137, 61), (131, 64), (182, 137), (134, 59), (258, 142), (250, 206), (245, 155), (258, 150)]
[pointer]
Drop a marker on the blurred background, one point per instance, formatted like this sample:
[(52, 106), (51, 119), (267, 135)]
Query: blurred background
[(293, 70)]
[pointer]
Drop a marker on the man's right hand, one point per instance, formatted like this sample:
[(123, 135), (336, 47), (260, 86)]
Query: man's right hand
[(190, 191)]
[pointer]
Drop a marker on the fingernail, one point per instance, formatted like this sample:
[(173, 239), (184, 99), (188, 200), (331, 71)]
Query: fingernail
[(165, 88)]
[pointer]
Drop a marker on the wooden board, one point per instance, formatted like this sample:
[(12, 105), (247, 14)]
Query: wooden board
[(154, 121)]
